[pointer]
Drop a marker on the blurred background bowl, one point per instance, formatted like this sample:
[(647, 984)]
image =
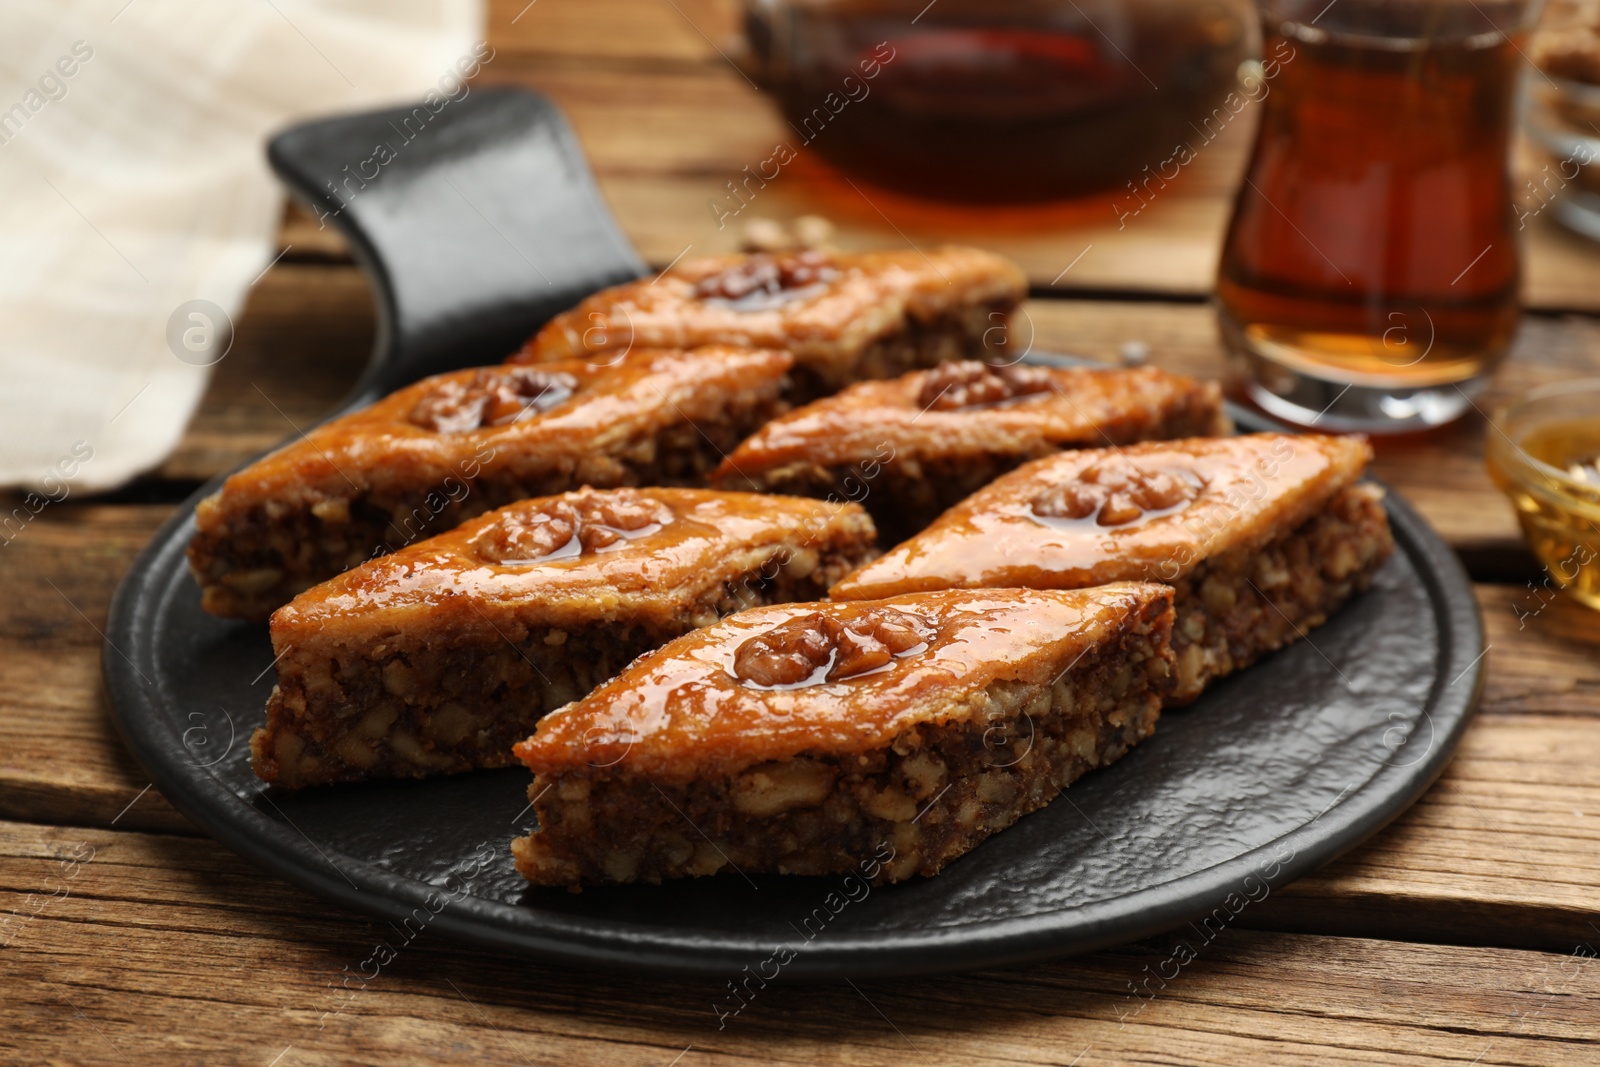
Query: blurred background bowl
[(1544, 453)]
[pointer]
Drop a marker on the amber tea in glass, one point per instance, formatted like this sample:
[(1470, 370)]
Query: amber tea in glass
[(1369, 279)]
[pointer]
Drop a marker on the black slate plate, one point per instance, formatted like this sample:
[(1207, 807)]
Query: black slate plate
[(1271, 774)]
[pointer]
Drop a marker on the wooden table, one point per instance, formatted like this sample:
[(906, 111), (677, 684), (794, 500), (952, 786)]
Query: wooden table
[(1460, 935)]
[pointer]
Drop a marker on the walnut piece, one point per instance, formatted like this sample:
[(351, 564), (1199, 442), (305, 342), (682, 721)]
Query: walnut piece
[(836, 645), (770, 789), (761, 281), (770, 235), (493, 396), (586, 521), (965, 383), (1116, 492)]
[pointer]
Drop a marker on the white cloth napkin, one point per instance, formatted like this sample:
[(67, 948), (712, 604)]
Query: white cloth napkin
[(134, 181)]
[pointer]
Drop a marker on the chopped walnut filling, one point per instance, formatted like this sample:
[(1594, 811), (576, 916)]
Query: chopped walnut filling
[(957, 384), (1116, 492), (763, 281), (829, 647), (586, 521), (492, 397)]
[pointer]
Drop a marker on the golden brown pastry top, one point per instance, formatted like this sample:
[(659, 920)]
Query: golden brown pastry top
[(823, 306), (969, 406), (472, 422), (827, 679), (1147, 512), (576, 559)]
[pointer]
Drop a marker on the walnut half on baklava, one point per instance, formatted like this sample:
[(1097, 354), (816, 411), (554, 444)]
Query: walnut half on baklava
[(438, 657), (1262, 536), (436, 453), (908, 448), (844, 317), (809, 738)]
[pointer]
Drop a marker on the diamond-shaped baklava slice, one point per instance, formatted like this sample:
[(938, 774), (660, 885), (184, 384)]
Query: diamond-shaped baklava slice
[(438, 657), (886, 738), (910, 447), (1262, 536), (433, 454), (844, 316)]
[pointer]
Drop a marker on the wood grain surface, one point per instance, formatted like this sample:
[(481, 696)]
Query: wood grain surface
[(150, 948), (1462, 934)]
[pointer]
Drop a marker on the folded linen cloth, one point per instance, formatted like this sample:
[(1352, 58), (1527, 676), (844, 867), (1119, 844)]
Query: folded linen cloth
[(138, 205)]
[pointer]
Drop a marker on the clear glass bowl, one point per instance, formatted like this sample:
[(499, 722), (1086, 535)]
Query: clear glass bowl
[(1562, 120), (1543, 452)]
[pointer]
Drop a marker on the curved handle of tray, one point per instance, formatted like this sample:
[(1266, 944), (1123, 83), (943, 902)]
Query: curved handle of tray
[(476, 223)]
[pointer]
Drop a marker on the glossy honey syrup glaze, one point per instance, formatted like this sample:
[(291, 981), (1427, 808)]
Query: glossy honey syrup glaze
[(472, 423), (970, 406), (573, 560), (1146, 512), (709, 703), (823, 307)]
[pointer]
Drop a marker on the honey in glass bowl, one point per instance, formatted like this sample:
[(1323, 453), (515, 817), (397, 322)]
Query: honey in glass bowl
[(1544, 453)]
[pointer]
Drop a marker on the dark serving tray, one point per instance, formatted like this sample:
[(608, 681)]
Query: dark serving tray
[(475, 233)]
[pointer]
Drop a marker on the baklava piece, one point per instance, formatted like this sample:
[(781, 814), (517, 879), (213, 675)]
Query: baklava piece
[(845, 317), (1263, 537), (436, 453), (909, 448), (816, 738), (1567, 42), (439, 657)]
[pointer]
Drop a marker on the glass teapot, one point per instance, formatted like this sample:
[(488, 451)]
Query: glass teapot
[(997, 100)]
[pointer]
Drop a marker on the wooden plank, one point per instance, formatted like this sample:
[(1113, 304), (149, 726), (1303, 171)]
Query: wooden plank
[(1563, 269), (654, 124), (302, 340), (128, 946), (1505, 849), (1544, 649), (60, 760), (685, 31), (302, 239)]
